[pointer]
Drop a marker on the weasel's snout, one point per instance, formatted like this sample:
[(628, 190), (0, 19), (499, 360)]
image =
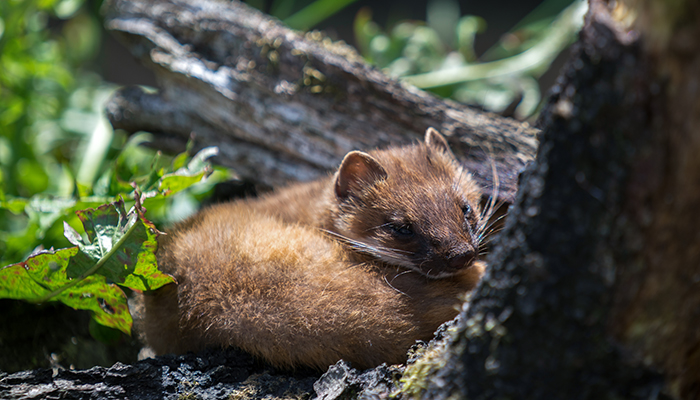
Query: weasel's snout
[(461, 260)]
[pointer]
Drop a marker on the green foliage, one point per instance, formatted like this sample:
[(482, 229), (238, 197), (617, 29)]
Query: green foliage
[(186, 175), (44, 277), (38, 78), (301, 16), (48, 110), (315, 12), (116, 248), (439, 55), (58, 153), (119, 246), (60, 162), (120, 249)]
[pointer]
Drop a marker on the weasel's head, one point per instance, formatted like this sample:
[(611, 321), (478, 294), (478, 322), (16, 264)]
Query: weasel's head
[(413, 207)]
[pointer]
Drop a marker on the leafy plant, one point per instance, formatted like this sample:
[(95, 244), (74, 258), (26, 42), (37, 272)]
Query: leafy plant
[(439, 54), (117, 248), (39, 77), (49, 114), (64, 172), (53, 275), (298, 17)]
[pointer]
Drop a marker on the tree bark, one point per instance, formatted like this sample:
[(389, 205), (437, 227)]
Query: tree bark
[(657, 305), (593, 288), (283, 106), (213, 374)]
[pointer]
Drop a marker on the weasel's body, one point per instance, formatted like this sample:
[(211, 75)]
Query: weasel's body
[(356, 266)]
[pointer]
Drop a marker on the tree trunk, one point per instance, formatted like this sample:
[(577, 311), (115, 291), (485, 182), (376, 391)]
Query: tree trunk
[(657, 305), (283, 106), (594, 286)]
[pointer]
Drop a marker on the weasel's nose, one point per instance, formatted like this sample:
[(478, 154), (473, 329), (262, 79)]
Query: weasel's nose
[(462, 260)]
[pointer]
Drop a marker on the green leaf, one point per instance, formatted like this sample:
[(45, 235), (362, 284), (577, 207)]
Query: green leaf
[(45, 273), (467, 28), (185, 177), (126, 244), (14, 205), (107, 301), (44, 210), (180, 160), (120, 248), (315, 13)]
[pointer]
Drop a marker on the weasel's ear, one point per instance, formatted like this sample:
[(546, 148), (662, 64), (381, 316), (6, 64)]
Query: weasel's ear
[(357, 170), (435, 141)]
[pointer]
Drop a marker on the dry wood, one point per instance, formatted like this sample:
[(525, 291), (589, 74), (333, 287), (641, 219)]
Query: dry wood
[(284, 106)]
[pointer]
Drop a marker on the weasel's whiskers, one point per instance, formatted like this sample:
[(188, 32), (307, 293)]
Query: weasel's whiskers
[(392, 286), (383, 253)]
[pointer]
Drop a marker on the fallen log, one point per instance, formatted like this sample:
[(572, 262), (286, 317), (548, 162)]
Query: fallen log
[(285, 106)]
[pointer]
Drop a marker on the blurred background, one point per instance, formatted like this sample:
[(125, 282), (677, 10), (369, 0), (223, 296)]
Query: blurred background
[(58, 154)]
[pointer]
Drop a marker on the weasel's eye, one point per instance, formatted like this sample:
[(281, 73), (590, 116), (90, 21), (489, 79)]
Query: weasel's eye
[(403, 231), (469, 215), (467, 210)]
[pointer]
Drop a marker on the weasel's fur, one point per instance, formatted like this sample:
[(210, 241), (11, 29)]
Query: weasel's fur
[(355, 266)]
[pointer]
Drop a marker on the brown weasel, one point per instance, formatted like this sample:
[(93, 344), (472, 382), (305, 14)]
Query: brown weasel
[(357, 266)]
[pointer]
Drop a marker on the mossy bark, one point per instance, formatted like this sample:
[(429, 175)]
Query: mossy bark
[(593, 288)]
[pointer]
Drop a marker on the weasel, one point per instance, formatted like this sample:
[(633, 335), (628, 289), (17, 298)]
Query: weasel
[(356, 266)]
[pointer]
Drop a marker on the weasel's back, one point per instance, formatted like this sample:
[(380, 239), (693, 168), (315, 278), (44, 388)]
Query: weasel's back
[(282, 292), (356, 266)]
